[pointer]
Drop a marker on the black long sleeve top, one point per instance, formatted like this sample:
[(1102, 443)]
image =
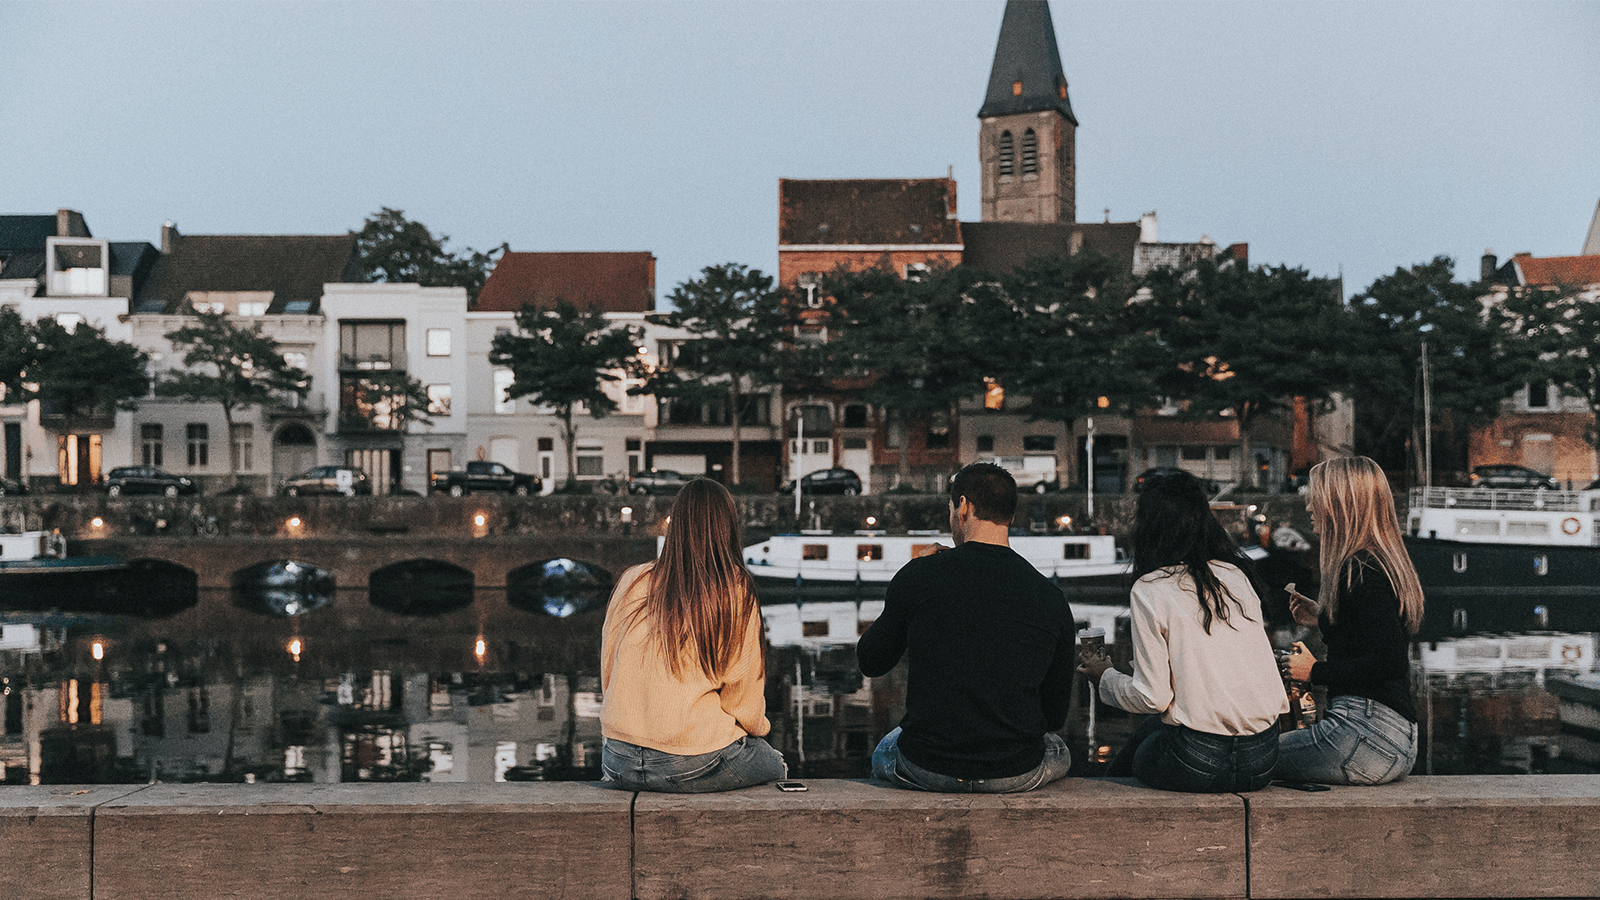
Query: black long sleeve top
[(991, 644), (1367, 645)]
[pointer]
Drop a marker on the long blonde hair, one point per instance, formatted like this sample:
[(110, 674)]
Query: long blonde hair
[(1354, 511), (701, 596)]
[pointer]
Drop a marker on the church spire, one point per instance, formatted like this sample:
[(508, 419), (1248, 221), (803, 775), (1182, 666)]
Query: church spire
[(1027, 74)]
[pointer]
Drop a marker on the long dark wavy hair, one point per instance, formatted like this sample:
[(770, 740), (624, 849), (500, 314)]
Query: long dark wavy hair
[(1174, 529)]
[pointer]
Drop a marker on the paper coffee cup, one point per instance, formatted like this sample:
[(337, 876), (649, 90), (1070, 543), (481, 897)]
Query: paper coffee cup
[(1092, 639)]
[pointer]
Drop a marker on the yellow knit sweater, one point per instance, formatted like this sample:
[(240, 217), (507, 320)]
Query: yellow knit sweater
[(645, 704)]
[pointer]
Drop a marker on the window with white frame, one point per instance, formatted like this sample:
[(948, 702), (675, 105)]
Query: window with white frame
[(150, 443), (591, 460), (253, 308), (243, 448), (503, 405), (438, 399), (438, 342), (199, 445)]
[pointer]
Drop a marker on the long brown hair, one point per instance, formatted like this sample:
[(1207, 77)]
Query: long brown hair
[(701, 596), (1354, 511)]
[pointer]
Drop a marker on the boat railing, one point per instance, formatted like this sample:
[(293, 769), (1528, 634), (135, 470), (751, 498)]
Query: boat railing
[(1486, 498)]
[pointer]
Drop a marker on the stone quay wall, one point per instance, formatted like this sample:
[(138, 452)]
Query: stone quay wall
[(1491, 836)]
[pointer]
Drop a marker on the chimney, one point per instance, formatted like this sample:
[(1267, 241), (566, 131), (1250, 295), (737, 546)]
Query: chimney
[(169, 237), (1488, 266), (1147, 228), (69, 223)]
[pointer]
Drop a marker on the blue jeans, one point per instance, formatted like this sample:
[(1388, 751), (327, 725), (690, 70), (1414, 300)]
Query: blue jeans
[(889, 765), (1358, 741), (743, 763), (1177, 758)]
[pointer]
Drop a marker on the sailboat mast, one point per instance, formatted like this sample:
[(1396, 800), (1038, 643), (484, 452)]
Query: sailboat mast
[(1427, 420)]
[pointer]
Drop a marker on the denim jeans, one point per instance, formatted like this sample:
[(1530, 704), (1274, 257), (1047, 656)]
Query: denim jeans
[(889, 765), (743, 763), (1176, 758), (1358, 741)]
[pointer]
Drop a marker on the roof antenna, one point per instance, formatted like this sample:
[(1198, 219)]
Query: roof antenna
[(1108, 215)]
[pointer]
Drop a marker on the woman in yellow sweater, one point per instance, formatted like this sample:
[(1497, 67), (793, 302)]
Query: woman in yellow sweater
[(683, 663)]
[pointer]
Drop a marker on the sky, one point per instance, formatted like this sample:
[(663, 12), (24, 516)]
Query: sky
[(1345, 138)]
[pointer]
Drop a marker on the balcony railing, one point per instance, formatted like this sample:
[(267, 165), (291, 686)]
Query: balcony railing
[(376, 362)]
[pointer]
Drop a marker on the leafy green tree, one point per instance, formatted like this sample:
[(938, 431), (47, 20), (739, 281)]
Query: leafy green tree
[(1557, 330), (1473, 357), (1247, 341), (564, 358), (1086, 343), (916, 346), (384, 399), (235, 367), (81, 372), (736, 318), (396, 249), (16, 353)]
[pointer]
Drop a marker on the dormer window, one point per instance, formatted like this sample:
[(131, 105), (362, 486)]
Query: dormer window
[(1030, 152), (1008, 155), (78, 267), (1016, 88)]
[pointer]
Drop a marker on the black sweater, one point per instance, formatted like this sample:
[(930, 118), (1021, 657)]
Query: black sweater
[(991, 646), (1367, 646)]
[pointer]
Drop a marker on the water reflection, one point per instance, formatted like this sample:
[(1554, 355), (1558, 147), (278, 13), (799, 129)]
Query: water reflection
[(559, 587), (282, 588), (421, 587)]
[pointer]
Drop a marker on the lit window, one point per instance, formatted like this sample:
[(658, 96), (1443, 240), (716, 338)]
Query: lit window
[(814, 629), (994, 394), (503, 405), (199, 445), (813, 551), (438, 399), (1016, 88)]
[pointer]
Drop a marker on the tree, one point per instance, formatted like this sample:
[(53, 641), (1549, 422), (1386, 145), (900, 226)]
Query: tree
[(395, 249), (1557, 328), (385, 400), (564, 358), (81, 372), (737, 319), (1472, 364), (916, 346), (17, 353), (1247, 341), (231, 366), (1088, 345)]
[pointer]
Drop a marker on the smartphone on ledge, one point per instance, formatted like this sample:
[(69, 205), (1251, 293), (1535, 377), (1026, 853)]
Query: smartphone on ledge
[(1309, 786), (791, 785)]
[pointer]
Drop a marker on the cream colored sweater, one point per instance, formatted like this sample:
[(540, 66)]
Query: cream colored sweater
[(645, 704), (1225, 682)]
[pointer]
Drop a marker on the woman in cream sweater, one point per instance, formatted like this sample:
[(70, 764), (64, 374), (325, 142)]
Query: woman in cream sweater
[(683, 663), (1203, 666)]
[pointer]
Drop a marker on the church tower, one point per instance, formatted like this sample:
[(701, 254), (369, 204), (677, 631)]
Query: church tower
[(1027, 137)]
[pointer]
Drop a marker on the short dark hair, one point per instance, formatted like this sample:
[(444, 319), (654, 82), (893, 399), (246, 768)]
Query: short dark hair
[(990, 489)]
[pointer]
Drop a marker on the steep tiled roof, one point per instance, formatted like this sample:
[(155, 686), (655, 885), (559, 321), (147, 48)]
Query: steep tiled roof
[(608, 282), (999, 247), (868, 211), (1573, 270), (26, 232), (1026, 54), (293, 267)]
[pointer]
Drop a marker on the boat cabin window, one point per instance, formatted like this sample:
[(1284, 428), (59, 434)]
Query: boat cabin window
[(813, 551), (1478, 526), (814, 629), (1074, 551), (919, 550), (1528, 529), (869, 552)]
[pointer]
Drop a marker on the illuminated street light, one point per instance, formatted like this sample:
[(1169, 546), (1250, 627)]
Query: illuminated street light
[(295, 648), (98, 650)]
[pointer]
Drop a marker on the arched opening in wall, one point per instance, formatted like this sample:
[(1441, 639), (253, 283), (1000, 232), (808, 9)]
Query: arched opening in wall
[(294, 450), (142, 588), (421, 587), (282, 587), (1008, 155), (155, 588), (558, 587), (1030, 152)]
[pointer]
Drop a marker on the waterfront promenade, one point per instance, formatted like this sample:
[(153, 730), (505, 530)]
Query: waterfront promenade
[(1491, 836)]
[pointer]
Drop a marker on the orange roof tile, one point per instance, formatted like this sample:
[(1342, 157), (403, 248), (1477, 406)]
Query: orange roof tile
[(1574, 270), (609, 282)]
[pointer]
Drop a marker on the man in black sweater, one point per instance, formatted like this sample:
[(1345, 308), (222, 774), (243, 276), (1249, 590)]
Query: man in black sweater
[(991, 655)]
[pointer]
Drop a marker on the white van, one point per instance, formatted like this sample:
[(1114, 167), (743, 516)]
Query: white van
[(1033, 473)]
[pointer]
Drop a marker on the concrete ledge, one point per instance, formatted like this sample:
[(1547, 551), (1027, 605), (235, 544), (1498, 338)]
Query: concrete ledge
[(456, 841), (852, 839), (1444, 836), (47, 840)]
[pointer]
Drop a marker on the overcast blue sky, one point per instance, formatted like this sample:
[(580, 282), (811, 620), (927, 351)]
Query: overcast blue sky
[(1348, 137)]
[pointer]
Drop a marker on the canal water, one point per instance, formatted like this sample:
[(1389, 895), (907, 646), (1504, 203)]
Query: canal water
[(287, 679)]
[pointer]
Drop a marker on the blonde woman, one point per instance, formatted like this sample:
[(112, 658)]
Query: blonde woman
[(1368, 605), (683, 665)]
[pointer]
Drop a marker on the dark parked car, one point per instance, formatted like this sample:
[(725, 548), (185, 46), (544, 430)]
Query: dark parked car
[(345, 480), (10, 487), (827, 481), (1511, 477), (482, 475), (147, 480), (658, 481)]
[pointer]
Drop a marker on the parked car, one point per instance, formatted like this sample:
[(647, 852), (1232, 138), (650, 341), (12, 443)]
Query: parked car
[(147, 480), (11, 488), (480, 476), (658, 481), (346, 480), (1032, 473), (827, 481), (1212, 488), (1511, 477)]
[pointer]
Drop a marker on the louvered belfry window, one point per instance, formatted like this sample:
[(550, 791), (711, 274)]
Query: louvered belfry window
[(1030, 152), (1008, 155)]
